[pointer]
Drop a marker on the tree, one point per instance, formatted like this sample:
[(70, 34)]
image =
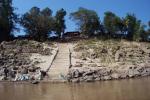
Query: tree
[(60, 22), (7, 20), (108, 23), (38, 24), (113, 24), (87, 21), (149, 24), (46, 12), (133, 26), (147, 33), (149, 27), (143, 34)]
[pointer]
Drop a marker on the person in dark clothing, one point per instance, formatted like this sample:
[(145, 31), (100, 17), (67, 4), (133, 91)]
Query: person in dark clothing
[(43, 74), (6, 71)]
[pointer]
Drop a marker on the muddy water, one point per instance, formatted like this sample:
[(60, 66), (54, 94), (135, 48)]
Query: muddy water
[(133, 89)]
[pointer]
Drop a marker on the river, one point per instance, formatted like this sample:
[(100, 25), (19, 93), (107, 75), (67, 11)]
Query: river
[(129, 89)]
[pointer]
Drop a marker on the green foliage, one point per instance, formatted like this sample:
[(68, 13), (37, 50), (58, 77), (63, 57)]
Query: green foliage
[(149, 24), (113, 24), (38, 23), (87, 21), (149, 27), (7, 20), (143, 34), (133, 26), (109, 21), (60, 22)]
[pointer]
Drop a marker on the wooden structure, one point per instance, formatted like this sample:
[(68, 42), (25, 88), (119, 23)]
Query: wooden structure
[(72, 35)]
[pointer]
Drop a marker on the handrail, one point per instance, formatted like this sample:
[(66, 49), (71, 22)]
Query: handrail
[(53, 59)]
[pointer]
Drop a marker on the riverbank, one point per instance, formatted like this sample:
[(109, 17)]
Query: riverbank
[(96, 60), (91, 60), (24, 60), (90, 74)]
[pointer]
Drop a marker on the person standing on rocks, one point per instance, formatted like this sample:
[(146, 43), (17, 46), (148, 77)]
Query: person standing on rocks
[(6, 71)]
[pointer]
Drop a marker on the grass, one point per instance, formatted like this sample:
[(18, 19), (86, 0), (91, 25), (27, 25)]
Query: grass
[(106, 51)]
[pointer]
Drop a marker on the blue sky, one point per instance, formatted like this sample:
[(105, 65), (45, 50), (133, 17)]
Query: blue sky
[(120, 7)]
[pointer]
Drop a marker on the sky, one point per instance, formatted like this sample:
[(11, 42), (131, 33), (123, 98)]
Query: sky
[(141, 8)]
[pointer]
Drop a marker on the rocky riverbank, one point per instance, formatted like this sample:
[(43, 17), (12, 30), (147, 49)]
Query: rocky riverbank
[(16, 63), (89, 74), (94, 60)]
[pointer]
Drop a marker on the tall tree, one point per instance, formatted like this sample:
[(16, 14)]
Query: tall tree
[(149, 27), (87, 21), (149, 24), (133, 26), (148, 32), (113, 24), (38, 24), (109, 23), (143, 34), (60, 22), (7, 19)]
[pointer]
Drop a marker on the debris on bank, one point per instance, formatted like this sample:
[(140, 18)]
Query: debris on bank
[(15, 62)]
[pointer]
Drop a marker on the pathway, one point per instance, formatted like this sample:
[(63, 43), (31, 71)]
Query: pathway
[(60, 66)]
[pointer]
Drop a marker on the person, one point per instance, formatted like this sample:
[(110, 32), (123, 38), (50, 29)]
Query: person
[(43, 74), (6, 71)]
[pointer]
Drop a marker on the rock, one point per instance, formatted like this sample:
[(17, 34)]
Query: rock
[(105, 71), (93, 56), (12, 74), (32, 69), (88, 73), (84, 58), (35, 82), (92, 65), (104, 50), (119, 56), (106, 78), (15, 68), (145, 72), (76, 74), (75, 80), (88, 78), (2, 78), (115, 76), (78, 65), (24, 71), (97, 79)]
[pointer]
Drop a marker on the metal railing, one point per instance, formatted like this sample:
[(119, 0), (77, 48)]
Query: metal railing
[(53, 59)]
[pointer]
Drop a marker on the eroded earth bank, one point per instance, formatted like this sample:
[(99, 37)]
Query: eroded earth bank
[(94, 60), (23, 60), (91, 60)]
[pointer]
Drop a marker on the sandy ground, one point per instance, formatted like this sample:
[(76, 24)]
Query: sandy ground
[(44, 61)]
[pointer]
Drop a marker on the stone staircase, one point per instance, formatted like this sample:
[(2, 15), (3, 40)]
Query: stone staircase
[(60, 66)]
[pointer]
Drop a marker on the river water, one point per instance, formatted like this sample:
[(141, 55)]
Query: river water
[(130, 89)]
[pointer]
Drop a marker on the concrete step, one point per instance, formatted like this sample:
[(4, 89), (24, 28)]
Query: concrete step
[(61, 62), (60, 66), (60, 69)]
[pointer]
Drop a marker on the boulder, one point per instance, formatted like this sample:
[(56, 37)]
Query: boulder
[(115, 76), (75, 80), (89, 78)]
